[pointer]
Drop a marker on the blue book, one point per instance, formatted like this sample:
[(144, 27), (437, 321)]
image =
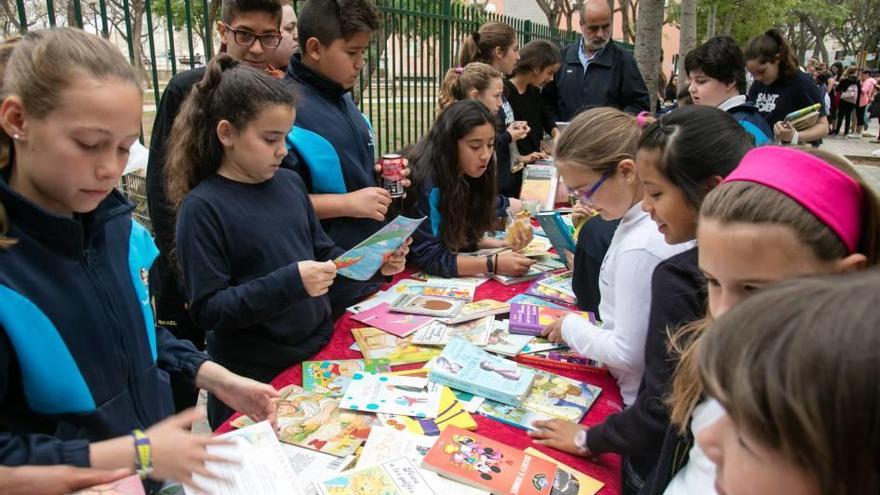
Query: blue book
[(557, 231), (464, 366)]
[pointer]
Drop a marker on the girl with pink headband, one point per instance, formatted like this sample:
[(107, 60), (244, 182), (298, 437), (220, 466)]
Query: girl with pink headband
[(783, 213)]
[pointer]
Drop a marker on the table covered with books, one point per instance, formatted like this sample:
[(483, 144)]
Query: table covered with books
[(605, 468)]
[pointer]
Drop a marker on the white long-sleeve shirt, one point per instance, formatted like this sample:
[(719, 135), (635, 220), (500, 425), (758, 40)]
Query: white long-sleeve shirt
[(697, 477), (625, 301)]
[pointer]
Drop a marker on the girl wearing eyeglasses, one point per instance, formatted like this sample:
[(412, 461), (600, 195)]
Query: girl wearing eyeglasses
[(595, 156)]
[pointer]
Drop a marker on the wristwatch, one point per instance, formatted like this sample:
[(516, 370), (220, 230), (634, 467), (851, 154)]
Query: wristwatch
[(580, 441)]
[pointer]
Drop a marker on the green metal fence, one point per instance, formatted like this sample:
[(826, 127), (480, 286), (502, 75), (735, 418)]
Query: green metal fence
[(417, 42)]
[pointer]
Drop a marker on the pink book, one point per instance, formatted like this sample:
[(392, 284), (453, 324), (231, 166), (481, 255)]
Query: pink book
[(398, 324)]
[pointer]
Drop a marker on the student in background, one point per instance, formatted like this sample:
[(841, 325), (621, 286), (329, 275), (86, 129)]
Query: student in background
[(289, 41), (672, 167), (764, 362), (256, 262), (768, 221), (717, 71), (495, 43), (538, 63), (781, 88), (850, 90), (595, 156), (332, 142), (454, 186), (83, 366), (248, 32), (476, 81)]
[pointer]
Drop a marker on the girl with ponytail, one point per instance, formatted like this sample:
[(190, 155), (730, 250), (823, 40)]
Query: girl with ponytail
[(256, 263)]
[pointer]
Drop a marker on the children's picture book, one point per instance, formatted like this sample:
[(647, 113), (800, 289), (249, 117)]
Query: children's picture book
[(399, 325), (468, 401), (568, 481), (451, 413), (376, 344), (539, 184), (478, 309), (560, 397), (438, 307), (130, 485), (533, 273), (548, 263), (538, 247), (395, 477), (475, 280), (518, 417), (540, 344), (501, 341), (452, 288), (260, 468), (392, 394), (558, 232), (385, 444), (364, 260), (489, 465), (332, 377), (536, 301), (310, 465), (554, 296), (530, 319), (560, 282), (316, 421), (475, 331), (283, 393), (464, 366)]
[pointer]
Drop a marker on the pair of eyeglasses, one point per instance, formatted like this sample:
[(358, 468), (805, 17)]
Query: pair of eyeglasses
[(587, 197), (246, 38)]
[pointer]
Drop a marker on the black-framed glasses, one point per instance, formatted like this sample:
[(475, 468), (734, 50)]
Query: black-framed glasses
[(247, 38)]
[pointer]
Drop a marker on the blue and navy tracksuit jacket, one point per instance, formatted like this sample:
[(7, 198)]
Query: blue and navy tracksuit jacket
[(80, 357), (748, 117), (333, 149), (427, 250)]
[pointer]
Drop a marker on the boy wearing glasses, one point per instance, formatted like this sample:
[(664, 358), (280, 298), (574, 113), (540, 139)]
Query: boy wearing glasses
[(331, 140), (249, 32)]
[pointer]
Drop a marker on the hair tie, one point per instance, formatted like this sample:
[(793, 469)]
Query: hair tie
[(825, 191), (476, 36), (458, 70), (642, 119)]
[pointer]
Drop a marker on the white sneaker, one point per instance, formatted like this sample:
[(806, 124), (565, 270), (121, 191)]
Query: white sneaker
[(854, 136)]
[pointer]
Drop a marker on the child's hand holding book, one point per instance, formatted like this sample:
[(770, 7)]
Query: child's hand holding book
[(317, 277)]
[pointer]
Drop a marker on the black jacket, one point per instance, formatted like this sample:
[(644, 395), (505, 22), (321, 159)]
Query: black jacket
[(612, 80)]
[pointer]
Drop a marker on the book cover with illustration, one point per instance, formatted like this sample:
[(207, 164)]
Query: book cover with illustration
[(451, 413), (466, 367), (552, 295), (395, 477), (560, 396), (476, 280), (540, 344), (332, 377), (478, 309), (539, 184), (538, 247), (535, 271), (392, 394), (436, 333), (364, 260), (560, 282), (316, 421), (438, 307), (489, 465), (531, 319), (283, 393), (501, 341), (399, 325), (518, 417), (568, 480), (376, 344)]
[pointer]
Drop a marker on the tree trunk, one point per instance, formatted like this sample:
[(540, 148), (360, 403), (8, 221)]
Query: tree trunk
[(687, 33), (728, 24), (648, 42), (137, 28), (711, 20), (71, 14)]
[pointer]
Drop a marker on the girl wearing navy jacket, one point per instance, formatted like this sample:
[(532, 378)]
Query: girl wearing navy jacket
[(675, 175), (456, 191), (83, 367), (255, 260)]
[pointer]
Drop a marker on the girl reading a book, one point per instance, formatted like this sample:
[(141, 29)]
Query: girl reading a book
[(83, 366), (453, 184), (595, 156), (255, 260), (675, 176), (795, 371)]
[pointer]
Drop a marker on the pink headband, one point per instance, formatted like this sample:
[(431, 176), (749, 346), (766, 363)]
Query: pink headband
[(642, 119), (829, 194)]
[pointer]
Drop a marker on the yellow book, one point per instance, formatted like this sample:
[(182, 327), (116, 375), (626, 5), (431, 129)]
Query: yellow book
[(586, 485), (376, 344), (451, 413)]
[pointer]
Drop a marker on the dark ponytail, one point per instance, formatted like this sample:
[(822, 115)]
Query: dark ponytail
[(480, 45), (228, 91), (772, 46)]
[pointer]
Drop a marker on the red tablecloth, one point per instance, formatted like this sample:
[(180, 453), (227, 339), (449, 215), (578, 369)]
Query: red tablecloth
[(606, 468)]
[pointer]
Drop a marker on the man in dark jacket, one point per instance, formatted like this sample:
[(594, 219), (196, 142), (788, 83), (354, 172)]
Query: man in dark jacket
[(596, 72)]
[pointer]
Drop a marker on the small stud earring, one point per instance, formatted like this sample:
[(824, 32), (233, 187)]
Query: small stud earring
[(15, 137)]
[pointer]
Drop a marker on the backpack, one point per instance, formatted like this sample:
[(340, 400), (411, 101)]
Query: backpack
[(851, 94)]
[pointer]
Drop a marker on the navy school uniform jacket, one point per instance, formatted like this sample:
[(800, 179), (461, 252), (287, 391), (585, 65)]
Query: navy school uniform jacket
[(80, 357), (748, 117), (612, 80), (427, 250), (238, 245)]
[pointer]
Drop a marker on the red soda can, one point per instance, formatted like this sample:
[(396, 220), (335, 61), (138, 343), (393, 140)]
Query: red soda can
[(392, 174)]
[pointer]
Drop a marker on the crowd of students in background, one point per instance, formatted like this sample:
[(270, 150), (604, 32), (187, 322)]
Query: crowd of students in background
[(734, 272)]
